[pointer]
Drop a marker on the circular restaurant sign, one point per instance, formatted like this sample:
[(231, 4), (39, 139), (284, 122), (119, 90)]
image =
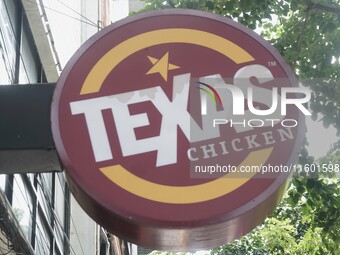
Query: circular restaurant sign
[(178, 129)]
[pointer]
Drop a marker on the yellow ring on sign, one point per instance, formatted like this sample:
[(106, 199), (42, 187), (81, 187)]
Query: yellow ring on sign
[(185, 194), (113, 57), (153, 191)]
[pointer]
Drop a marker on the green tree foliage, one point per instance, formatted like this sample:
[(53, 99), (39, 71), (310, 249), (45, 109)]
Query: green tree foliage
[(307, 34)]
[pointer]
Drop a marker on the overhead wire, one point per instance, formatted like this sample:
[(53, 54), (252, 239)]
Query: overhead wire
[(91, 23), (80, 18), (76, 12)]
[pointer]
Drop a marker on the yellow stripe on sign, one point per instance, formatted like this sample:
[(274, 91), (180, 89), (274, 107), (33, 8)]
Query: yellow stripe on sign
[(185, 194), (113, 57)]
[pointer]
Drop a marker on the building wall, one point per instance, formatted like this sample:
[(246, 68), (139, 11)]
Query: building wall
[(135, 5), (37, 38), (49, 220), (84, 234), (71, 23), (90, 23), (33, 207), (18, 57), (119, 9)]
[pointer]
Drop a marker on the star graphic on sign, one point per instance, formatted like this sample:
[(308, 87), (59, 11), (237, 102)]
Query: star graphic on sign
[(161, 66)]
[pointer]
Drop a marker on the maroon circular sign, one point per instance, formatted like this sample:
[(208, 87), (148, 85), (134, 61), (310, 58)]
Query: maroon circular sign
[(178, 129)]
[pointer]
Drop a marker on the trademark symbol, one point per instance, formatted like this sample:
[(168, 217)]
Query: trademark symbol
[(271, 63)]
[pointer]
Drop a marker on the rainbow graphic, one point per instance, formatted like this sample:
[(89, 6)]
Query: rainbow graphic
[(212, 93)]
